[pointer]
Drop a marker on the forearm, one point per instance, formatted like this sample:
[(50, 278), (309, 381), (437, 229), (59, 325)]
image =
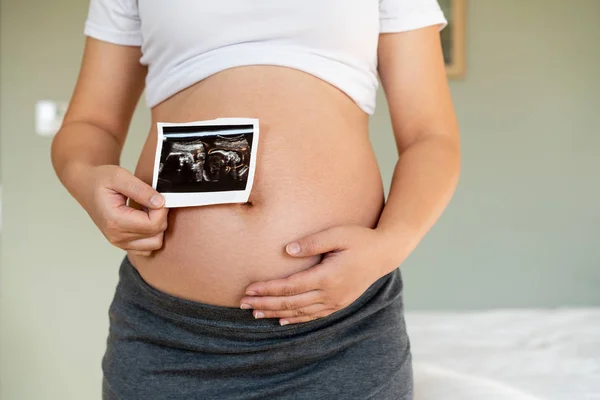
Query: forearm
[(80, 145), (423, 183)]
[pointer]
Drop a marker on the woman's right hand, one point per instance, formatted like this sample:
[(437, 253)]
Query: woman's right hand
[(131, 229)]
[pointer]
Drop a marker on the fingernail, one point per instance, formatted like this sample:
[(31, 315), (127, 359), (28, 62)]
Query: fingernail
[(293, 248), (156, 200), (251, 293), (245, 306), (284, 322), (259, 315)]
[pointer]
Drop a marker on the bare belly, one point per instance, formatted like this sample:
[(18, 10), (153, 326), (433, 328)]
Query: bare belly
[(315, 169)]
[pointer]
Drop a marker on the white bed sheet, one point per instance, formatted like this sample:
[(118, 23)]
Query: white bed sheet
[(551, 354)]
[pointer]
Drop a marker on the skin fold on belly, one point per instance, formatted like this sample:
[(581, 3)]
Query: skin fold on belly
[(315, 169)]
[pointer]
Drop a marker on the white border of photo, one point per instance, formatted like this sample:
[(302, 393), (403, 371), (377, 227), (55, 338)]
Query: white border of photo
[(191, 199)]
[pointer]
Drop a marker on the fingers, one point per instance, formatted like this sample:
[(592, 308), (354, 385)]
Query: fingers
[(122, 227), (139, 191), (142, 223), (146, 245), (139, 218), (283, 303), (306, 318), (304, 307), (303, 281), (135, 241), (331, 239), (296, 298), (311, 312), (138, 227), (143, 253)]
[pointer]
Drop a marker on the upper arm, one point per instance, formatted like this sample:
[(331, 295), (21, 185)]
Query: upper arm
[(111, 78), (412, 72)]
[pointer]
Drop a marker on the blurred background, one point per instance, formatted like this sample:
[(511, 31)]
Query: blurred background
[(522, 231)]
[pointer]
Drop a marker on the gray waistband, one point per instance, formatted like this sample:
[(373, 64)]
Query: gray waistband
[(138, 291)]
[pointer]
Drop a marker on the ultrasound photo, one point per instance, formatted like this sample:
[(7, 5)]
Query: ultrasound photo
[(206, 162)]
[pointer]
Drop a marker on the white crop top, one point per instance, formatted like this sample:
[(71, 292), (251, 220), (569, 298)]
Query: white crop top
[(185, 41)]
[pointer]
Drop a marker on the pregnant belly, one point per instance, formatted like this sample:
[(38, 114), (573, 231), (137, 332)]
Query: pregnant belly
[(315, 169)]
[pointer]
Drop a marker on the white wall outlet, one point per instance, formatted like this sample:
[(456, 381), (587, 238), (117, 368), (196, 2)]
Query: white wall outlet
[(49, 116)]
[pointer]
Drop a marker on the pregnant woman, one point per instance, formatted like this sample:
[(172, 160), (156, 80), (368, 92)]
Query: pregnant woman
[(296, 294)]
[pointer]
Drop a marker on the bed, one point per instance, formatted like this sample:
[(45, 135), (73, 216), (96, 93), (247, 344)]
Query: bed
[(549, 354)]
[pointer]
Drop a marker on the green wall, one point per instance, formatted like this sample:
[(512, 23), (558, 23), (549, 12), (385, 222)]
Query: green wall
[(522, 230)]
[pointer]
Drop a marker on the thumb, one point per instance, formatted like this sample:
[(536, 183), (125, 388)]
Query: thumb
[(137, 190), (317, 243)]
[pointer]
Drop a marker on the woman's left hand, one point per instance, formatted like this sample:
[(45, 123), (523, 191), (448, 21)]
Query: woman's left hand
[(354, 257)]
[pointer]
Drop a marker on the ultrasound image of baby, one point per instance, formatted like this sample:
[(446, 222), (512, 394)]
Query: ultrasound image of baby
[(205, 158), (184, 163), (211, 164)]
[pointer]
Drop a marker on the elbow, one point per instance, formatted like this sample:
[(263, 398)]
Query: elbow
[(440, 147), (451, 144), (446, 143), (58, 149), (455, 152), (54, 151)]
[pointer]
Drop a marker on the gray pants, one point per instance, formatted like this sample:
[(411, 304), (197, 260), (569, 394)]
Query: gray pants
[(163, 347)]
